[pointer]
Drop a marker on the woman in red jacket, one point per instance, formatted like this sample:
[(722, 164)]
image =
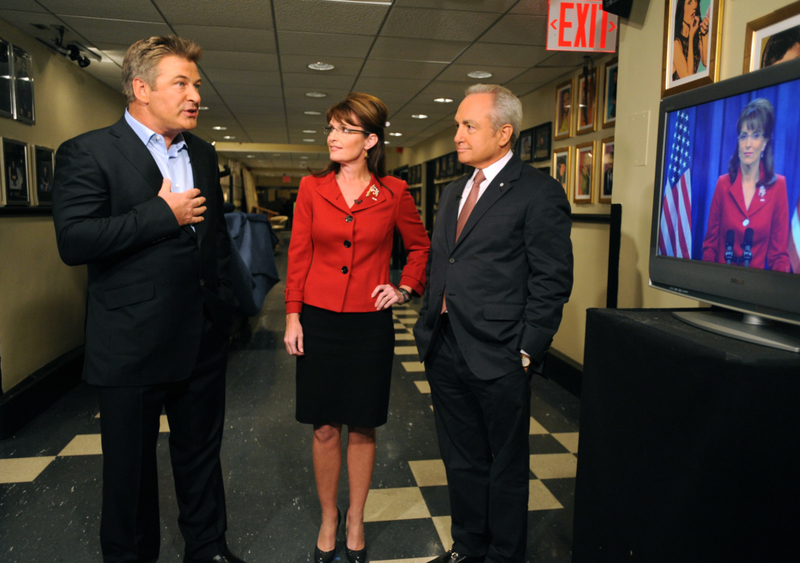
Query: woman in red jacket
[(338, 305), (748, 222)]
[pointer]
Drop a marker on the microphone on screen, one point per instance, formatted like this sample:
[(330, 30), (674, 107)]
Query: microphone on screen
[(747, 246), (729, 246)]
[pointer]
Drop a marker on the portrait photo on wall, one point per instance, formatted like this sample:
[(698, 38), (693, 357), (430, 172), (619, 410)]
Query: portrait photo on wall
[(563, 121), (23, 87), (6, 82), (773, 39), (607, 170), (587, 103), (731, 192), (584, 173), (691, 37), (525, 140), (43, 175), (15, 172), (610, 71), (561, 166), (541, 141)]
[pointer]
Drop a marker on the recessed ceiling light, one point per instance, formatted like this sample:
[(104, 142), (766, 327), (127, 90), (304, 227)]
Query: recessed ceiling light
[(321, 66), (309, 131), (480, 74), (395, 134), (251, 156), (312, 112), (276, 154), (309, 140), (443, 100), (419, 116), (229, 137), (303, 157), (219, 128), (203, 108), (386, 142), (316, 94)]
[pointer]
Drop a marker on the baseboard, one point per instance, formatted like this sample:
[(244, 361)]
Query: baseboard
[(38, 391), (564, 371)]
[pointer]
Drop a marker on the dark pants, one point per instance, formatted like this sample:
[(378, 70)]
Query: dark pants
[(129, 417), (483, 431)]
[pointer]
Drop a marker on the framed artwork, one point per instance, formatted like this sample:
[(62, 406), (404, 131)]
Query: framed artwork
[(586, 118), (606, 169), (6, 80), (23, 87), (564, 111), (438, 166), (16, 187), (610, 71), (541, 141), (525, 140), (695, 24), (562, 166), (584, 173), (772, 39), (43, 161)]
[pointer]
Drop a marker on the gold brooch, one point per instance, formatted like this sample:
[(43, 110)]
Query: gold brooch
[(373, 192)]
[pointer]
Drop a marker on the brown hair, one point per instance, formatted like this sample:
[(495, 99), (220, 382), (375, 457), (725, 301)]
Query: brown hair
[(370, 114), (142, 58)]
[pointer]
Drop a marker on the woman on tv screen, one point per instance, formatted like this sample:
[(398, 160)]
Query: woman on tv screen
[(748, 222)]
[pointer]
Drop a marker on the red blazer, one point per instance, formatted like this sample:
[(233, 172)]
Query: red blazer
[(338, 255), (768, 216)]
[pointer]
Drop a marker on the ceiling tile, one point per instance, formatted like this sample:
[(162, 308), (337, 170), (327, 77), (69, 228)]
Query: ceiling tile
[(518, 29), (329, 17), (298, 64), (22, 19), (568, 59), (531, 7), (473, 5), (236, 60), (422, 50), (252, 14), (500, 74), (226, 90), (539, 75), (22, 5), (317, 81), (401, 69), (229, 38), (334, 95), (301, 43), (114, 31), (495, 54), (134, 10), (448, 25), (252, 77)]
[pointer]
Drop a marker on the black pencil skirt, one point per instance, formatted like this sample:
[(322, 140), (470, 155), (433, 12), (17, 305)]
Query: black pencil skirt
[(345, 375)]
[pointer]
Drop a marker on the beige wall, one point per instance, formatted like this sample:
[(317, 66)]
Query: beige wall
[(42, 301)]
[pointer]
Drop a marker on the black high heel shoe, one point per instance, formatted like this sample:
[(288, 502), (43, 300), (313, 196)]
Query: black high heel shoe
[(327, 556), (353, 555)]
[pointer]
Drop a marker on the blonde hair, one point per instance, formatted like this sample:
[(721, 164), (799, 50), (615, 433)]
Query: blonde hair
[(142, 58)]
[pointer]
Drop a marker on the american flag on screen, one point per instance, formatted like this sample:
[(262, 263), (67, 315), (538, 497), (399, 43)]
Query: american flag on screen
[(794, 239), (675, 236)]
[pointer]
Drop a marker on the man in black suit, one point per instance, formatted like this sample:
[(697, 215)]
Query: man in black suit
[(499, 273), (140, 204)]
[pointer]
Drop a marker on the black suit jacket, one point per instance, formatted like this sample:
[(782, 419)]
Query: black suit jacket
[(150, 280), (507, 277)]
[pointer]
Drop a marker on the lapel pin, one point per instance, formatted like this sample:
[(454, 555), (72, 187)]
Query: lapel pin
[(502, 184), (373, 192), (762, 191)]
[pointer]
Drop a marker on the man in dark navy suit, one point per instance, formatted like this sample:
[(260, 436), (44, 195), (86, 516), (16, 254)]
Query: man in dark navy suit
[(140, 204), (499, 273)]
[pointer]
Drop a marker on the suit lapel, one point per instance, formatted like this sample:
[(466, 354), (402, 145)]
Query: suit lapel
[(200, 182), (134, 151), (371, 196)]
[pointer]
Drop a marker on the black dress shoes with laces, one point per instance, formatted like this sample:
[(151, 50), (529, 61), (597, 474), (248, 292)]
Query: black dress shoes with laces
[(453, 557), (224, 557)]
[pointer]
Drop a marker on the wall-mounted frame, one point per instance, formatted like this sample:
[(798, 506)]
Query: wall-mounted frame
[(525, 142), (606, 169), (584, 173), (43, 160), (702, 26), (24, 110), (610, 72), (6, 80), (14, 162), (542, 134), (562, 167), (586, 116), (773, 38), (563, 119)]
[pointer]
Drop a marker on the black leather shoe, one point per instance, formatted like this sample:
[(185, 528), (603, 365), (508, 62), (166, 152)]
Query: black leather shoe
[(453, 557), (225, 557), (327, 556), (356, 556)]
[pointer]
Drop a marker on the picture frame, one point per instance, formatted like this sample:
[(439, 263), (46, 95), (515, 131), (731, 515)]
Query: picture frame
[(562, 166), (6, 80), (606, 170), (14, 162), (542, 135), (772, 38), (43, 159), (586, 115), (24, 110), (583, 172), (676, 73), (525, 148), (564, 113), (610, 72)]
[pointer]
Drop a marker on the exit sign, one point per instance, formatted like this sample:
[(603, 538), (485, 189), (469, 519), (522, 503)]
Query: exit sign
[(581, 25)]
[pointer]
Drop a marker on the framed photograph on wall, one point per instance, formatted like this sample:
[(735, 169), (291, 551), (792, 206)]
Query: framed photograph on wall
[(6, 80), (43, 161), (584, 173), (586, 118), (773, 38), (563, 120), (541, 141), (525, 141), (562, 167), (610, 71), (16, 187), (24, 110), (690, 26), (606, 169)]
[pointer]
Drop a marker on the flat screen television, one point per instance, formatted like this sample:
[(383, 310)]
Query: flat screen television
[(726, 208)]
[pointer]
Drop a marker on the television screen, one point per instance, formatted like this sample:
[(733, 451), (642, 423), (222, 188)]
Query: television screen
[(726, 228)]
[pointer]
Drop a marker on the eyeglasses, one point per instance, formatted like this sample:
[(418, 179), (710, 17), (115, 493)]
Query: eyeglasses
[(755, 136), (343, 131)]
